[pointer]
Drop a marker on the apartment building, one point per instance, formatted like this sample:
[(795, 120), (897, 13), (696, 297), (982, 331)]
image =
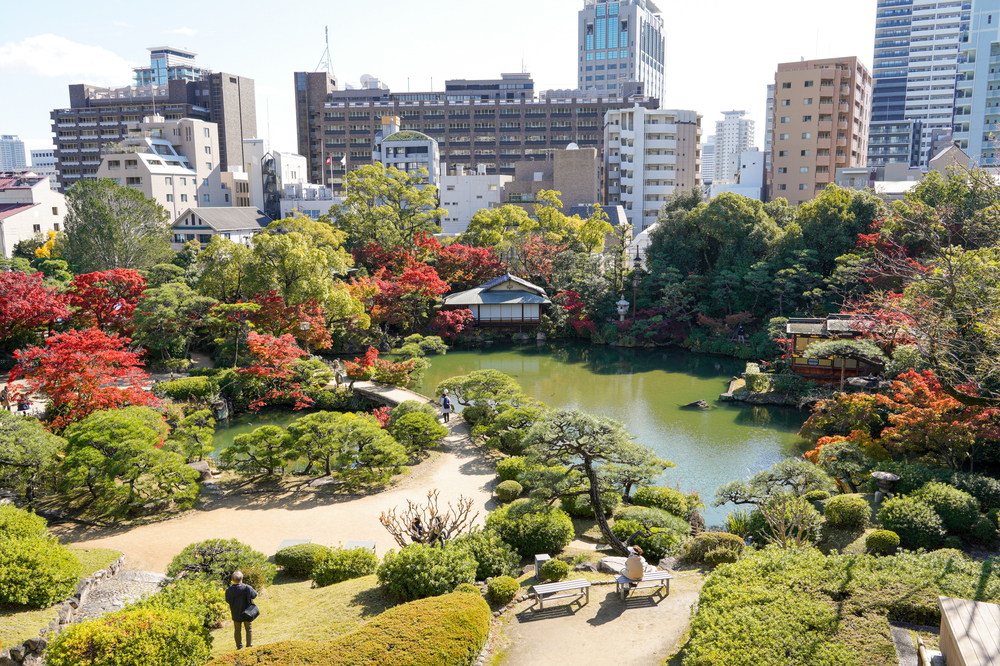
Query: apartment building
[(751, 179), (620, 42), (977, 103), (11, 153), (821, 115), (573, 172), (465, 194), (99, 115), (733, 137), (651, 155), (768, 126), (28, 207), (708, 161), (494, 123), (408, 151), (156, 170)]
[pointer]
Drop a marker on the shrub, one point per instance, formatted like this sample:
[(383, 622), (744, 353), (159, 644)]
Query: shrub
[(986, 489), (579, 506), (847, 512), (476, 414), (540, 494), (417, 431), (133, 637), (816, 495), (985, 531), (739, 522), (911, 475), (217, 559), (661, 541), (20, 524), (952, 543), (502, 589), (344, 564), (36, 571), (696, 548), (958, 509), (199, 597), (532, 527), (301, 559), (882, 542), (468, 588), (652, 517), (761, 531), (668, 499), (916, 523), (717, 556), (493, 556), (449, 629), (510, 468), (554, 570), (419, 571), (508, 491), (188, 388)]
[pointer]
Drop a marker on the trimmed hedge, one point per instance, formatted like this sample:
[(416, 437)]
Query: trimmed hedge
[(344, 564), (816, 495), (493, 556), (554, 570), (418, 431), (20, 524), (668, 499), (36, 571), (502, 589), (916, 522), (217, 559), (202, 598), (579, 506), (847, 511), (696, 549), (508, 491), (449, 630), (409, 407), (301, 559), (958, 509), (419, 571), (187, 388), (531, 527), (510, 468), (882, 542)]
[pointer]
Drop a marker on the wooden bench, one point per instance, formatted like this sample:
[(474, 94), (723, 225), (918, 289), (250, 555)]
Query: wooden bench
[(658, 579), (582, 586)]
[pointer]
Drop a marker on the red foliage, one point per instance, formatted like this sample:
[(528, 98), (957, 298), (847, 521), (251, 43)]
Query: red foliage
[(404, 300), (725, 328), (371, 367), (465, 267), (273, 358), (449, 323), (361, 368), (28, 304), (577, 317), (382, 415), (278, 318), (536, 259), (82, 372), (374, 257), (107, 299)]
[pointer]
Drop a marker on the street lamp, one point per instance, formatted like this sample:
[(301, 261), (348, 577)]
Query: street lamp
[(636, 265), (622, 308)]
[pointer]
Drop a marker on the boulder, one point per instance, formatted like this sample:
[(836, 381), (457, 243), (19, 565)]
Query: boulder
[(37, 644), (614, 565), (7, 661), (17, 652), (697, 404), (668, 564), (203, 470), (586, 566)]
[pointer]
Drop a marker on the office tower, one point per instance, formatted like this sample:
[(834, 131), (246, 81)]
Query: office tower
[(11, 153), (977, 103), (708, 161), (733, 136), (822, 108), (650, 155), (768, 126), (619, 42), (917, 45)]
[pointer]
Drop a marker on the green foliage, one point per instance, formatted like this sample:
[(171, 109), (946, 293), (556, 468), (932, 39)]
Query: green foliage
[(985, 531), (419, 571), (20, 524), (847, 511), (652, 517), (199, 597), (409, 407), (194, 436), (508, 491), (301, 559), (217, 559), (656, 542), (668, 499), (914, 475), (696, 548), (959, 510), (579, 506), (502, 589), (431, 344), (816, 495), (554, 570), (468, 588), (509, 469), (344, 564), (353, 445), (266, 450), (882, 542), (756, 381), (953, 543), (133, 637), (739, 522), (905, 358), (986, 489), (717, 556), (916, 522), (27, 455), (418, 431), (531, 527), (36, 571), (188, 388), (493, 556), (506, 430)]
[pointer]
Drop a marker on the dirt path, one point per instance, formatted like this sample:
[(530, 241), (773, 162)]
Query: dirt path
[(606, 631), (264, 520)]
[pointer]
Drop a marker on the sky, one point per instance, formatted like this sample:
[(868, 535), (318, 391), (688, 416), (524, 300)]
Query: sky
[(721, 54)]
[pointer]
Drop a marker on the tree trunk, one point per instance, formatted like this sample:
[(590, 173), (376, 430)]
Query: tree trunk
[(598, 505), (843, 366)]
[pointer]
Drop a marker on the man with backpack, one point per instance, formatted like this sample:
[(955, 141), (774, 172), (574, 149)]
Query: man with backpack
[(446, 406), (244, 611)]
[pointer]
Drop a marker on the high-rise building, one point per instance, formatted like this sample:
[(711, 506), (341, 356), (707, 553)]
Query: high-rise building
[(98, 116), (917, 44), (621, 41), (650, 155), (822, 109), (733, 136), (768, 126), (977, 103), (708, 161), (11, 153), (43, 163)]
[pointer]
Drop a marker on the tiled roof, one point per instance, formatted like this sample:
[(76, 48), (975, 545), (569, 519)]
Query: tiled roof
[(507, 276), (7, 210), (229, 219)]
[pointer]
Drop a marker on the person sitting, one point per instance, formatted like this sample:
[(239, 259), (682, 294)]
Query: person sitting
[(23, 405), (635, 565)]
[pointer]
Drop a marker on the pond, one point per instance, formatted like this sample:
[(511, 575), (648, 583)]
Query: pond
[(226, 431), (645, 389)]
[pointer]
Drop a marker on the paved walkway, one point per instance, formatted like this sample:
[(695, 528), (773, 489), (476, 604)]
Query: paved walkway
[(113, 594), (387, 394)]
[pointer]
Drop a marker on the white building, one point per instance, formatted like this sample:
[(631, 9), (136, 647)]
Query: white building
[(407, 151), (650, 154), (621, 41), (43, 163), (11, 153), (750, 180), (977, 103), (239, 225), (28, 207), (307, 199), (274, 176), (465, 194), (733, 135), (708, 161), (769, 126), (152, 166)]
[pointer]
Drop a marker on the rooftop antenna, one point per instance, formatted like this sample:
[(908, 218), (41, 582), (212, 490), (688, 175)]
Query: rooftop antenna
[(325, 62)]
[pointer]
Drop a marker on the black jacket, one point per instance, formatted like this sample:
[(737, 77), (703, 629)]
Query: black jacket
[(239, 597)]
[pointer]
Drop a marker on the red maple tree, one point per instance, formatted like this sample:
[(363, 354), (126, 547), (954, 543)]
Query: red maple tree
[(371, 367), (449, 323), (272, 362), (402, 301), (27, 304), (82, 372), (278, 318), (464, 267), (107, 299)]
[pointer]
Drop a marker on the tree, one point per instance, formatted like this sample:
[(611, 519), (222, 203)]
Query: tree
[(481, 387), (368, 453), (406, 301), (863, 351), (110, 226), (272, 363), (288, 259), (465, 267), (106, 299), (169, 318), (265, 450), (507, 431), (233, 321), (278, 318), (193, 437), (82, 372), (27, 305), (226, 268), (315, 438), (371, 367), (418, 431), (27, 454), (792, 475), (450, 323), (585, 444), (428, 523)]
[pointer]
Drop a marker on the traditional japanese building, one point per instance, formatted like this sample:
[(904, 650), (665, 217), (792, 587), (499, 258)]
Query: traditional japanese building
[(802, 332), (503, 301)]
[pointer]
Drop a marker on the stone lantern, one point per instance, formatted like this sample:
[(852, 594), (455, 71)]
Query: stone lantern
[(886, 482), (622, 306)]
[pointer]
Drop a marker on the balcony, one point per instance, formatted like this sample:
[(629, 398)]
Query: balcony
[(662, 144), (842, 143), (659, 189), (614, 189), (109, 123), (661, 159), (824, 143), (65, 125), (823, 160), (825, 125), (825, 108), (614, 159), (823, 178), (88, 123)]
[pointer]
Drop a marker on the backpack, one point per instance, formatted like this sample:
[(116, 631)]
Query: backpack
[(446, 404)]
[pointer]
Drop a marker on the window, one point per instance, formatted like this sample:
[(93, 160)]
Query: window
[(786, 102), (782, 169), (170, 198), (168, 180), (809, 84), (208, 150), (807, 101), (786, 119), (807, 119), (184, 197), (803, 186), (37, 228), (55, 210), (207, 133), (807, 135), (184, 181), (804, 153), (782, 137), (133, 180), (803, 169), (55, 227), (782, 186), (782, 153), (208, 165), (205, 198), (227, 198), (114, 164), (786, 85)]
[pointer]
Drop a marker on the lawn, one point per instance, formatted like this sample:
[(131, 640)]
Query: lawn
[(18, 623)]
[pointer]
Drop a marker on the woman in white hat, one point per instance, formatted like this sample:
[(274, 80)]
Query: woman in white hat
[(446, 408)]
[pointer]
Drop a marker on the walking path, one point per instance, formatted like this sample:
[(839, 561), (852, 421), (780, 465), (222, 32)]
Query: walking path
[(113, 594), (386, 393)]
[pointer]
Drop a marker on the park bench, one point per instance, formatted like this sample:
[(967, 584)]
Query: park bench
[(581, 586), (658, 579)]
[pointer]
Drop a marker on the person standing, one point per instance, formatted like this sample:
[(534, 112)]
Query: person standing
[(5, 399), (240, 599), (446, 406)]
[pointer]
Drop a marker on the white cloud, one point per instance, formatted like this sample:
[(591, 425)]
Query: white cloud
[(54, 56), (190, 32)]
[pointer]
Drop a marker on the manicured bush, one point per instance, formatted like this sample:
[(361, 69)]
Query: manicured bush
[(816, 495), (668, 499), (510, 468), (847, 512), (493, 556), (661, 543), (502, 589), (531, 527), (952, 543), (468, 588), (20, 524), (476, 414), (36, 571), (448, 630), (554, 570), (717, 556), (882, 542), (958, 509), (508, 491), (916, 522), (986, 489), (301, 559), (579, 506), (418, 431), (344, 564), (187, 388), (694, 550), (199, 597), (133, 637), (985, 531), (217, 559), (419, 571)]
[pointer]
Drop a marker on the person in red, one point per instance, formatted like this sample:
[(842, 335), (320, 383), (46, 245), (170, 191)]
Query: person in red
[(240, 599)]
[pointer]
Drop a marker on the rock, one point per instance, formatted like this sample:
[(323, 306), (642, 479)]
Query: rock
[(528, 569), (697, 404), (668, 564), (17, 652), (586, 566), (7, 661), (33, 660), (37, 644), (611, 565)]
